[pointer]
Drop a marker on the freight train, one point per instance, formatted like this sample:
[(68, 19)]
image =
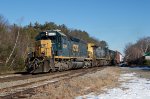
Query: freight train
[(55, 51)]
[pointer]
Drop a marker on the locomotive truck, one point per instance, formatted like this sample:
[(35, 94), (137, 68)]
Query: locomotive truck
[(55, 51)]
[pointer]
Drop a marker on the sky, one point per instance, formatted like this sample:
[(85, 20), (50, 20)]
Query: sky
[(118, 22)]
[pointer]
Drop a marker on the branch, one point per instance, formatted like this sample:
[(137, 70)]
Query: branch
[(12, 50)]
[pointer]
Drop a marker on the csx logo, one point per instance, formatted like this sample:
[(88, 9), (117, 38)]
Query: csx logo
[(75, 48)]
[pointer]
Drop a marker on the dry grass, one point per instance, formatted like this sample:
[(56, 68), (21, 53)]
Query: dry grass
[(88, 83)]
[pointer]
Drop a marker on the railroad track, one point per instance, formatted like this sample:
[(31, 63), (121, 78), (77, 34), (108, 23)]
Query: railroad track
[(24, 85)]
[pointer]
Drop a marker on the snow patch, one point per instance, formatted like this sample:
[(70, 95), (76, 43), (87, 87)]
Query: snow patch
[(140, 68), (133, 88)]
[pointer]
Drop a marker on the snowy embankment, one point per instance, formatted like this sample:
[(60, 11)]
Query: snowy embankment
[(132, 87)]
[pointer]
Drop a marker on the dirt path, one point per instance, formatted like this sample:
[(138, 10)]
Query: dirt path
[(70, 88), (26, 86)]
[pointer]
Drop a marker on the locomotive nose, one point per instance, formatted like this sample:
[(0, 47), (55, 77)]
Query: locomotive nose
[(44, 48)]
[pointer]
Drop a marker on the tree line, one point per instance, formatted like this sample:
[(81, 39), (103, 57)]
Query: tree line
[(134, 52), (15, 40)]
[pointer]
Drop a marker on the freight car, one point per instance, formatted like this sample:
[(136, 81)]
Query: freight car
[(55, 51)]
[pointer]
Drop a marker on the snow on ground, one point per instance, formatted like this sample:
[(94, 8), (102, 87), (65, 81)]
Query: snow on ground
[(132, 87), (141, 68)]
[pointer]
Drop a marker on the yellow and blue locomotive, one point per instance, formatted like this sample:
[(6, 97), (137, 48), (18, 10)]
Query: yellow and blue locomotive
[(55, 51)]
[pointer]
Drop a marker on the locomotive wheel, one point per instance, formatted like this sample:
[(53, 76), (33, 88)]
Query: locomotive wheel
[(69, 65), (65, 65), (61, 66), (58, 66), (86, 64)]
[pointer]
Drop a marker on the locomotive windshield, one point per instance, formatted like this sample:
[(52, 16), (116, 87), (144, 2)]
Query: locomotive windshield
[(42, 34), (47, 35), (51, 34)]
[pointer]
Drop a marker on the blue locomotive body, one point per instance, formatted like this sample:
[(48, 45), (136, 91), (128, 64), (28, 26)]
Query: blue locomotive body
[(57, 51)]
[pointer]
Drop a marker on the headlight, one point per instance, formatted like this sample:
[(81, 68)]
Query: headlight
[(43, 52)]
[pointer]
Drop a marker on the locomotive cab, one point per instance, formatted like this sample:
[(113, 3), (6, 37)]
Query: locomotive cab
[(55, 37)]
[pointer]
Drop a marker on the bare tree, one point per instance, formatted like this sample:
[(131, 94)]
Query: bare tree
[(12, 50), (134, 52), (144, 44)]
